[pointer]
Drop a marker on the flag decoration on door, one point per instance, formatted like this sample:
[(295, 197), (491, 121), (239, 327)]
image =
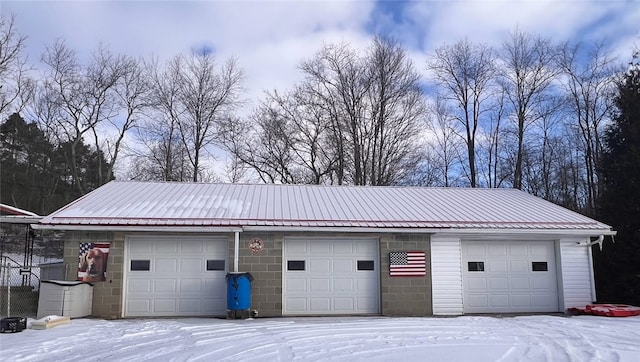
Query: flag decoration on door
[(92, 265), (407, 263)]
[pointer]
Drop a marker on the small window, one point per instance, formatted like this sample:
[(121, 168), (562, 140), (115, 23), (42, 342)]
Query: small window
[(215, 264), (141, 265), (476, 266), (539, 266), (365, 265), (295, 265)]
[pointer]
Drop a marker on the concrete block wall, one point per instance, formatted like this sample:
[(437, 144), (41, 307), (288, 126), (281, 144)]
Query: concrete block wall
[(107, 295), (266, 269), (405, 296)]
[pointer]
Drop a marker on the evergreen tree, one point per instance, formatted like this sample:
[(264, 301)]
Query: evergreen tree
[(617, 267), (35, 174)]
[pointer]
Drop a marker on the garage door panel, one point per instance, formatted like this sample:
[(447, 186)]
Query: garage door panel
[(544, 284), (296, 285), (496, 250), (343, 266), (176, 282), (521, 300), (331, 283), (164, 306), (365, 247), (188, 305), (366, 303), (320, 248), (141, 248), (191, 286), (140, 285), (519, 250), (498, 300), (164, 286), (343, 285), (320, 305), (192, 265), (365, 285), (296, 304), (343, 248), (214, 283), (320, 265), (519, 266), (478, 301), (162, 265), (519, 284), (166, 247), (477, 284), (496, 266), (139, 306), (498, 284), (319, 285), (191, 248), (511, 280), (343, 304)]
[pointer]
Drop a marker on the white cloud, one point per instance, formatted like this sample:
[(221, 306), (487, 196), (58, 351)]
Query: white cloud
[(271, 37)]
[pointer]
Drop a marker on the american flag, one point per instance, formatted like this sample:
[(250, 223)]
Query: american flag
[(84, 247), (407, 263)]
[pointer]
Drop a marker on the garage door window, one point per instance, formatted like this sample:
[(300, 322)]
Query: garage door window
[(295, 265), (140, 265), (215, 265), (365, 265), (476, 266), (539, 266)]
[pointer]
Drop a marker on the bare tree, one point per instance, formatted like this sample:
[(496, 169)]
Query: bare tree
[(465, 71), (354, 119), (526, 75), (494, 143), (163, 155), (205, 95), (336, 82), (443, 143), (396, 107), (16, 88), (589, 78), (75, 100)]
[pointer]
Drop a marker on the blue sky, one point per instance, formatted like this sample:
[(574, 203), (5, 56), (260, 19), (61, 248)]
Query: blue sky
[(271, 37)]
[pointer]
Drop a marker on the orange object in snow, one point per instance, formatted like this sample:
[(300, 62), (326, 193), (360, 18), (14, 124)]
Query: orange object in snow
[(608, 310)]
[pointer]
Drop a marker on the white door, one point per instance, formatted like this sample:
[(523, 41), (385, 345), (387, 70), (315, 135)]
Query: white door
[(331, 276), (175, 276), (509, 277)]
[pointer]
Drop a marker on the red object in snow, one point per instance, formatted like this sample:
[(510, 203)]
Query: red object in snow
[(608, 310)]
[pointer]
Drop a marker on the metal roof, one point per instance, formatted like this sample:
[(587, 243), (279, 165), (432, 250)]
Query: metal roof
[(167, 204), (14, 215)]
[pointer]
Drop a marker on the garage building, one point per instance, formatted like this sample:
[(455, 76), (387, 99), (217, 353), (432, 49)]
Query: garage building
[(330, 250)]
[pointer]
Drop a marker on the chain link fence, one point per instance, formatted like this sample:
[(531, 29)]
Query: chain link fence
[(26, 258), (19, 288)]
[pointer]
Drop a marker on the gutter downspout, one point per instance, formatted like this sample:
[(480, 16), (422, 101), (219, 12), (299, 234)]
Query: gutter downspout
[(591, 274), (236, 251)]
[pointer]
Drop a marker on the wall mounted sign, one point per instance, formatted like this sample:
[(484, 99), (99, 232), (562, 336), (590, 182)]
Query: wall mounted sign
[(256, 245), (92, 266), (407, 264)]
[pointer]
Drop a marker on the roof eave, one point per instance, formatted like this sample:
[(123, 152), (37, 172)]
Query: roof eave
[(333, 229)]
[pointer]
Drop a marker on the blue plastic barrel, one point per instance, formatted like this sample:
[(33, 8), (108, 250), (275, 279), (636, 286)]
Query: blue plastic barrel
[(239, 291)]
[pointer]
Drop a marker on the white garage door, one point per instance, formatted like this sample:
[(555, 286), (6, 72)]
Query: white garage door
[(503, 277), (331, 276), (175, 277)]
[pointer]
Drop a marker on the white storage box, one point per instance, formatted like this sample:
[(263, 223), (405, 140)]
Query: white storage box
[(65, 298)]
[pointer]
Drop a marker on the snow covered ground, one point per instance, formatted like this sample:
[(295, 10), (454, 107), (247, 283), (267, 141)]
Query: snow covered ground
[(469, 338)]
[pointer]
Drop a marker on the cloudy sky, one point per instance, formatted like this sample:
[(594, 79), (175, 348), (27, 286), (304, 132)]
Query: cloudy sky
[(270, 37)]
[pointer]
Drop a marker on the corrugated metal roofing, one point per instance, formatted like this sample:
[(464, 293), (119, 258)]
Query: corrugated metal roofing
[(236, 205)]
